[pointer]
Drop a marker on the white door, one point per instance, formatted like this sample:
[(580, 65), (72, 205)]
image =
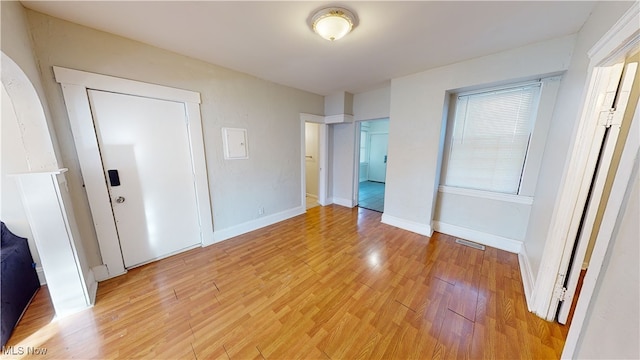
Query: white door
[(378, 157), (144, 146)]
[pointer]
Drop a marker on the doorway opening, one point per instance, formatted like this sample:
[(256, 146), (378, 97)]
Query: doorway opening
[(372, 165), (312, 163)]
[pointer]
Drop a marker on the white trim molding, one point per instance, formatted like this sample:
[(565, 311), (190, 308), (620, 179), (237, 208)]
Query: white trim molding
[(228, 233), (623, 182), (101, 272), (123, 86), (618, 35), (318, 119), (47, 206), (517, 199), (74, 85), (338, 119), (498, 242), (328, 119), (418, 228), (528, 281), (41, 277), (343, 202)]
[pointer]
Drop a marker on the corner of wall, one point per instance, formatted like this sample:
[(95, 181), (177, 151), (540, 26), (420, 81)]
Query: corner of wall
[(528, 280)]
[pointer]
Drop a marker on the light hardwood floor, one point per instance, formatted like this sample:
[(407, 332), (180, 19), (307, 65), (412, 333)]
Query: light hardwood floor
[(332, 284)]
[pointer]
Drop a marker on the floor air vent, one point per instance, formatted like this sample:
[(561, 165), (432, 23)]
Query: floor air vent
[(469, 244)]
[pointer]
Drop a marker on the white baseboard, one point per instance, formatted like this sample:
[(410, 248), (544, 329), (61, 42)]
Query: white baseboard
[(498, 242), (343, 202), (100, 272), (41, 277), (528, 281), (312, 196), (92, 286), (228, 233), (408, 225)]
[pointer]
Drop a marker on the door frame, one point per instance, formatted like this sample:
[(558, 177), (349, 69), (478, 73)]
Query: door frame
[(356, 158), (616, 43), (74, 85)]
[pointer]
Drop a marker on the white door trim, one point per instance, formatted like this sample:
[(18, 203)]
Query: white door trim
[(618, 197), (615, 43), (74, 87)]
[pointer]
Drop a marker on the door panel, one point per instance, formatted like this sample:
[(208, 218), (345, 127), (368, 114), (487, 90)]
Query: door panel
[(146, 141), (378, 157)]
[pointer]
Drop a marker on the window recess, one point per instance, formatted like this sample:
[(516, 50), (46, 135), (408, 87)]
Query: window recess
[(488, 137)]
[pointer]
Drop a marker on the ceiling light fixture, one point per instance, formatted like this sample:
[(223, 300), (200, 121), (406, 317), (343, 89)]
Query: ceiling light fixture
[(333, 23)]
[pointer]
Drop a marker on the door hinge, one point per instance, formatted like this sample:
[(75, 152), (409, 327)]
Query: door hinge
[(560, 291), (562, 296), (607, 117)]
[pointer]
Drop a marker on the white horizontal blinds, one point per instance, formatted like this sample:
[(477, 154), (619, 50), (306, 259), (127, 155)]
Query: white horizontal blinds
[(490, 139)]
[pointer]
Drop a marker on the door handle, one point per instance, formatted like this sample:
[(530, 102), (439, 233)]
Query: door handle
[(120, 199), (385, 159)]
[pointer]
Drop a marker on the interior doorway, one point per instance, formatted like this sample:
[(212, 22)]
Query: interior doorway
[(614, 126), (372, 165), (312, 163)]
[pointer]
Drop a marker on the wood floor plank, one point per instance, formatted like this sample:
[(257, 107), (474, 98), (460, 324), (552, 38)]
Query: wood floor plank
[(335, 283)]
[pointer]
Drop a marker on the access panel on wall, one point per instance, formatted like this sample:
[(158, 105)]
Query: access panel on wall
[(145, 151)]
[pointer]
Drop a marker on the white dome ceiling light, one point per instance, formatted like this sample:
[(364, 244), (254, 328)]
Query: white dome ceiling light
[(333, 23)]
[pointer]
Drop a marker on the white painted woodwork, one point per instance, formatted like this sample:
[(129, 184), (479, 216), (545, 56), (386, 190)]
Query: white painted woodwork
[(146, 141), (338, 119), (573, 192), (43, 195), (615, 323), (518, 199), (484, 238), (74, 86), (14, 160), (378, 144), (597, 190), (611, 48)]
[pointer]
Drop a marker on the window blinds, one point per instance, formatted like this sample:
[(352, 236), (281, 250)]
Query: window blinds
[(490, 138)]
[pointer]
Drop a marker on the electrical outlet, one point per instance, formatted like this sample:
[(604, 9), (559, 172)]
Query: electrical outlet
[(261, 210)]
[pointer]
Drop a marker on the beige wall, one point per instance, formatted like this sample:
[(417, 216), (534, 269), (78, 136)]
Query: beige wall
[(270, 178)]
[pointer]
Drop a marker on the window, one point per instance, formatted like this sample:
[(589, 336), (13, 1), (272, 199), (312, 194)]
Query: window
[(489, 138)]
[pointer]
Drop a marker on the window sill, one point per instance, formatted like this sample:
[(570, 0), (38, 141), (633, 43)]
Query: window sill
[(518, 199)]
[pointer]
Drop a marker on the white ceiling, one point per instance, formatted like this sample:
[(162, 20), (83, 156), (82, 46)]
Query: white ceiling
[(273, 40)]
